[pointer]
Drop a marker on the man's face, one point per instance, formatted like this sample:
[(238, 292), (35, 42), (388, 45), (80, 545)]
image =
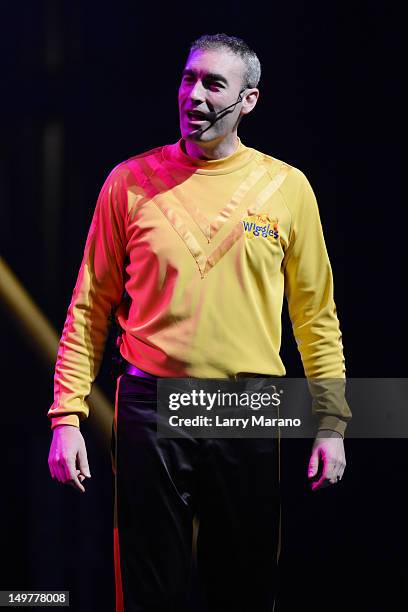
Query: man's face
[(211, 80)]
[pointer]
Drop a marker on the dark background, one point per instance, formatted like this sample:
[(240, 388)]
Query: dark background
[(86, 85)]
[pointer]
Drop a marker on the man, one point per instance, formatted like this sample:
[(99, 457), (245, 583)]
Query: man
[(203, 237)]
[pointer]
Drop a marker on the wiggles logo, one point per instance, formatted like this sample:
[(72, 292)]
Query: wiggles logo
[(261, 225)]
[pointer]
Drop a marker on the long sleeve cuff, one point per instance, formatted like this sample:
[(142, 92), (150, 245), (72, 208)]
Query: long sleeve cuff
[(67, 419), (333, 423)]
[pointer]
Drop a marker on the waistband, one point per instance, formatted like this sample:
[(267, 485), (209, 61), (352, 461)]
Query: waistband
[(135, 371)]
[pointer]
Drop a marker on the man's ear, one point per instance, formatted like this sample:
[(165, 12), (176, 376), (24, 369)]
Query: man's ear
[(249, 100)]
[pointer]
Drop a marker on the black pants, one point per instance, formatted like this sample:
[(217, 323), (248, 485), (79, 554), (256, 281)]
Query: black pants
[(161, 484)]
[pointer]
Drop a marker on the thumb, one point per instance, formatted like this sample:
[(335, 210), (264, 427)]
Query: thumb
[(313, 464), (83, 463)]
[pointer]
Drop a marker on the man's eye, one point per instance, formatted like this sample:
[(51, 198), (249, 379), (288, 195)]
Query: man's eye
[(216, 85)]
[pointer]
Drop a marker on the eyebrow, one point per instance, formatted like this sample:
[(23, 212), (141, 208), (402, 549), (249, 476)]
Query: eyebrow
[(212, 75)]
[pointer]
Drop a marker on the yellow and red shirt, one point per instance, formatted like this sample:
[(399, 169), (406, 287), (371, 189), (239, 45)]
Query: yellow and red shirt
[(206, 251)]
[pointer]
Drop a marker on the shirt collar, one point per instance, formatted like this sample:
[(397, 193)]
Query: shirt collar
[(240, 157)]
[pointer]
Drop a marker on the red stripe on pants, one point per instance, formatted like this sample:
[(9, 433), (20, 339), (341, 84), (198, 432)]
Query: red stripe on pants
[(116, 549)]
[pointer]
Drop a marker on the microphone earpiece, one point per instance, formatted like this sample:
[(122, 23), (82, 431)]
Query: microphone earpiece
[(212, 116)]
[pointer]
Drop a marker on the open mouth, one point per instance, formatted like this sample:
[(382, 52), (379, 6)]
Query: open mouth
[(195, 116)]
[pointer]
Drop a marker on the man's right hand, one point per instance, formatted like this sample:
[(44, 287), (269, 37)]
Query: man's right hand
[(67, 460)]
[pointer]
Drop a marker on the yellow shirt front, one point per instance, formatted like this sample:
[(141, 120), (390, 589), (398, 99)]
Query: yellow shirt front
[(206, 251)]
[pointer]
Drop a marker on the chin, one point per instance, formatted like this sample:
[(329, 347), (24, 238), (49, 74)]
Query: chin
[(197, 136)]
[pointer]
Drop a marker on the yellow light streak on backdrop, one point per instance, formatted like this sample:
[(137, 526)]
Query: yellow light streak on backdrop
[(43, 339)]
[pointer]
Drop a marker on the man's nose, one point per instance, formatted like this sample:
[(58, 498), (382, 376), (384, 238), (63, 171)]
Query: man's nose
[(197, 92)]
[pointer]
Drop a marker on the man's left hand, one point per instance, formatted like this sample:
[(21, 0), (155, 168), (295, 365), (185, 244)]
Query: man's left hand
[(329, 447)]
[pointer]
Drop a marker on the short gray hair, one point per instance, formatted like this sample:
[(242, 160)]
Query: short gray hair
[(239, 47)]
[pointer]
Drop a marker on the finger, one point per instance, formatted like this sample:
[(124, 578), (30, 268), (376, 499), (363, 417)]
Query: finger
[(71, 474), (74, 482), (51, 468), (76, 485), (60, 476), (340, 474), (80, 475), (330, 471), (338, 471), (326, 477), (312, 470), (51, 465), (313, 464), (83, 462), (326, 481), (322, 483), (333, 478)]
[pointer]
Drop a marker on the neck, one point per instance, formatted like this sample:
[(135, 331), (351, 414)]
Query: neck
[(211, 150)]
